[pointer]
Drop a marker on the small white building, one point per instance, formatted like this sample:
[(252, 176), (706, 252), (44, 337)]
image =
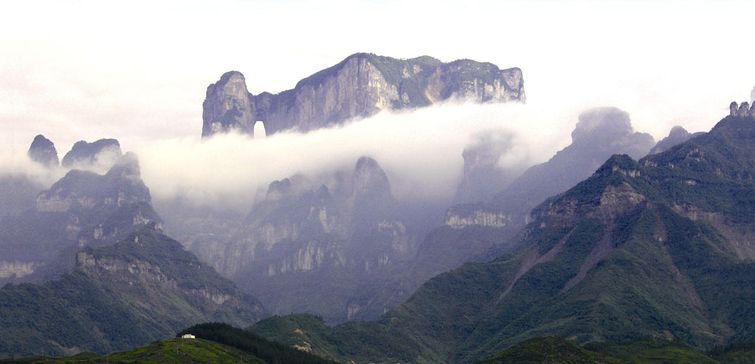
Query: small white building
[(188, 336)]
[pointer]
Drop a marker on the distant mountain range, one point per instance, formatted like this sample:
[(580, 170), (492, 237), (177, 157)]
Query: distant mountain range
[(660, 247), (361, 85), (95, 271), (615, 239), (141, 289)]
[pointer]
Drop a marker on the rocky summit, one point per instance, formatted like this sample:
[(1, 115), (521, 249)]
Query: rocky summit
[(660, 248), (81, 209), (42, 151), (335, 241), (676, 136), (361, 85), (101, 154), (140, 289)]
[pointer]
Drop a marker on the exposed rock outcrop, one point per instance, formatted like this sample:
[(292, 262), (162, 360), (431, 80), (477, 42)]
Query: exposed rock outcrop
[(359, 86), (743, 110), (473, 231), (600, 133), (228, 106), (333, 240), (635, 243), (98, 155), (117, 297), (461, 216), (81, 209), (42, 151)]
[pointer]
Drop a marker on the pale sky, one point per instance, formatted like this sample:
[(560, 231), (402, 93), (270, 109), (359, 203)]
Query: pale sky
[(138, 70)]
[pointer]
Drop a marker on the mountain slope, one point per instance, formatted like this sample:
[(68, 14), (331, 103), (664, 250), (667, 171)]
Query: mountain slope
[(81, 209), (335, 243), (138, 290), (556, 350), (359, 86), (661, 248), (472, 230), (213, 343)]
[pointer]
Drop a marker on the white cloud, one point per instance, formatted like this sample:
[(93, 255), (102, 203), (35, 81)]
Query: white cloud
[(420, 150), (137, 72)]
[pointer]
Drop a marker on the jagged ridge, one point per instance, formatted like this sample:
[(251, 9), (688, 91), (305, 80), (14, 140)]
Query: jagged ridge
[(360, 85)]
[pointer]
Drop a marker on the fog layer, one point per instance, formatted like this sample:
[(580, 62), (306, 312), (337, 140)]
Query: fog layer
[(420, 150)]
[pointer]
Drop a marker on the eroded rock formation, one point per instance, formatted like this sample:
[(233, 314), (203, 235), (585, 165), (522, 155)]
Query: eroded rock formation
[(42, 151), (359, 86)]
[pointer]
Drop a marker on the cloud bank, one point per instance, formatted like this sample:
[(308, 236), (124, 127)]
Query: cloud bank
[(420, 150)]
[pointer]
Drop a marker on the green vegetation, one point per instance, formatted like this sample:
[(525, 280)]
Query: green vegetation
[(547, 350), (137, 291), (268, 351), (215, 343), (171, 351), (649, 249), (557, 350)]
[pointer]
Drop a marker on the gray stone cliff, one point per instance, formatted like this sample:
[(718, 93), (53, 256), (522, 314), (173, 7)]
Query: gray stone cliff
[(359, 86), (42, 151)]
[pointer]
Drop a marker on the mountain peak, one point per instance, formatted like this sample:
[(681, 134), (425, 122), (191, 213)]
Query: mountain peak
[(101, 153), (604, 123), (126, 165), (369, 178), (227, 106), (42, 151), (742, 110), (676, 136), (361, 85)]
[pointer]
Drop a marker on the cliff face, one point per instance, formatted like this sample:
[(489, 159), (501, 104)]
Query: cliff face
[(42, 151), (81, 209), (473, 230), (334, 242), (361, 85), (660, 247), (99, 155), (143, 288)]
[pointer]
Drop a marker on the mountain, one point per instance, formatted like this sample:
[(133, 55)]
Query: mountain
[(167, 351), (81, 209), (336, 242), (42, 151), (473, 229), (117, 297), (361, 85), (482, 177), (213, 343), (676, 136), (18, 191), (660, 247), (100, 154), (557, 350)]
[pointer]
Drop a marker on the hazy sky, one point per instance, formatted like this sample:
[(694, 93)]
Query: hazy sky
[(138, 69)]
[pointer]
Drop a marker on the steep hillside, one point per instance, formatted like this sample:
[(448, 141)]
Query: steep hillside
[(81, 209), (213, 343), (359, 86), (656, 248), (557, 350), (117, 297), (473, 230), (337, 244)]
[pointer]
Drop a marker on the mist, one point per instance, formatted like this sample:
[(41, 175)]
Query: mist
[(420, 150)]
